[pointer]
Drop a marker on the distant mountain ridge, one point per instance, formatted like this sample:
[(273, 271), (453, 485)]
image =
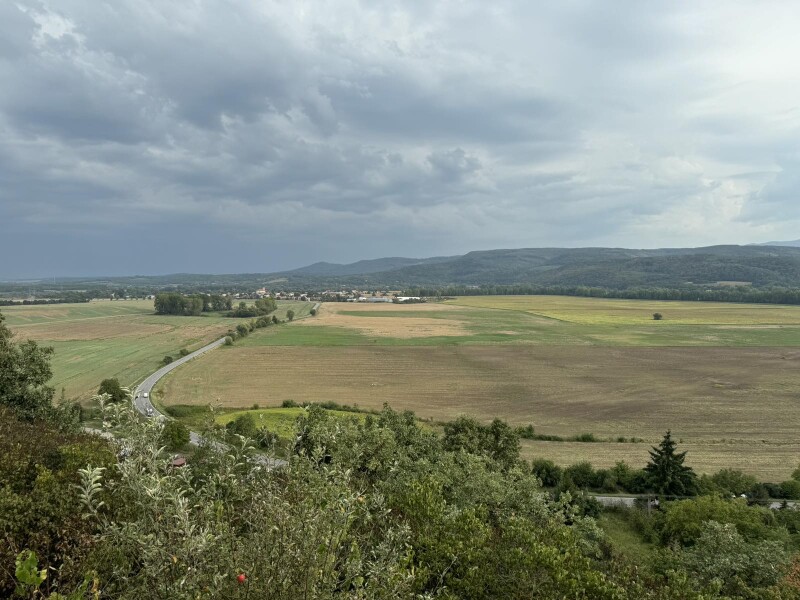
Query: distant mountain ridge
[(758, 266), (363, 267), (617, 268), (791, 243)]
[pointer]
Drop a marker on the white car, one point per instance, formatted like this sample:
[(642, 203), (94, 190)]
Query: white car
[(145, 395)]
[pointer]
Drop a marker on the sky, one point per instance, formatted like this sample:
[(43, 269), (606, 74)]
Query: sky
[(151, 137)]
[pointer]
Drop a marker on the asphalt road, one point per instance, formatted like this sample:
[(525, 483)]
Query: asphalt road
[(142, 404), (145, 407), (630, 501)]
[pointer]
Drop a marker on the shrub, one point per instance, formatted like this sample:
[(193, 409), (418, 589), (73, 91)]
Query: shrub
[(113, 389), (526, 433), (582, 475), (244, 425), (791, 489), (290, 314), (547, 471), (242, 330), (275, 320), (228, 340), (167, 359), (175, 435), (289, 404), (313, 312), (657, 316), (183, 352)]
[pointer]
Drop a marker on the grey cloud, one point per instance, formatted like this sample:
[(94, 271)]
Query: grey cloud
[(424, 128)]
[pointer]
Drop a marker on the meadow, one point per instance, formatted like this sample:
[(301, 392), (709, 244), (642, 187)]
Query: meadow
[(723, 377), (121, 338)]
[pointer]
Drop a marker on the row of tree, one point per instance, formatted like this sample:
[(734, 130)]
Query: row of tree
[(747, 294), (174, 303), (261, 307)]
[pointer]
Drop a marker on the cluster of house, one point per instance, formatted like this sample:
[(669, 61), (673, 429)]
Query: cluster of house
[(370, 296)]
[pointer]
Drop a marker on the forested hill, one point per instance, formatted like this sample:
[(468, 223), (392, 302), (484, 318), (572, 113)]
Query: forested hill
[(617, 268), (609, 268)]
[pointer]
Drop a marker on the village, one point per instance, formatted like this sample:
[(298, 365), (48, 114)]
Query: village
[(369, 296)]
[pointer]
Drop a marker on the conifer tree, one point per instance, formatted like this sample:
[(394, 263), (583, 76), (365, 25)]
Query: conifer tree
[(667, 473)]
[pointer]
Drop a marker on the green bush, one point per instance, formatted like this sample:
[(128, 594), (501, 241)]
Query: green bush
[(167, 359), (791, 489), (582, 475), (547, 471), (183, 352), (174, 435), (113, 389), (40, 504), (228, 340), (244, 425)]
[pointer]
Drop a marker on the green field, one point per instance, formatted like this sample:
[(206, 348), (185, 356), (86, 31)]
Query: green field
[(122, 338), (723, 377), (281, 421)]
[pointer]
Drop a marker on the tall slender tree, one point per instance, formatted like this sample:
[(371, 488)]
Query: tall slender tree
[(666, 472)]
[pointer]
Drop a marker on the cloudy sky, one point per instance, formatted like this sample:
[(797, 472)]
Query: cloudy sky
[(143, 136)]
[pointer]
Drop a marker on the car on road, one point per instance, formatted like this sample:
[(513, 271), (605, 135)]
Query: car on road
[(145, 395), (149, 411)]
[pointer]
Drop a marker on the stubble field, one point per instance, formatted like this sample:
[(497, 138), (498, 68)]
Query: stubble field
[(724, 378)]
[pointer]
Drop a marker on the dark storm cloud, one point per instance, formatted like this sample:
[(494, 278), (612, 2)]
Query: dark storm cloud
[(289, 132)]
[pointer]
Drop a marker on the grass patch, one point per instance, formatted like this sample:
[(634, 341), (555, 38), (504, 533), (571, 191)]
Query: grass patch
[(280, 421), (624, 537)]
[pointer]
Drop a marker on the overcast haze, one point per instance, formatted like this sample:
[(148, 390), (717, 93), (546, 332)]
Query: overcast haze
[(156, 137)]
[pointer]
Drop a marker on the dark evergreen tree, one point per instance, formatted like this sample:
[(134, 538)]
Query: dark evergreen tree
[(666, 472)]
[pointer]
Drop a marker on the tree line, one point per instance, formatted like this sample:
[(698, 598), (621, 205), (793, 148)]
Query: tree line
[(174, 303), (744, 294)]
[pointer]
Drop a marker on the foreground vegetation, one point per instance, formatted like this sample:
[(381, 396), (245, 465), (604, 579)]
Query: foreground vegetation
[(372, 508)]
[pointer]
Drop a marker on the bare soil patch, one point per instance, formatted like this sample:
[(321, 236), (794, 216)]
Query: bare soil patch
[(402, 327)]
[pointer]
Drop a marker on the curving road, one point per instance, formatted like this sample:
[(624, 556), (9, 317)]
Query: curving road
[(145, 407)]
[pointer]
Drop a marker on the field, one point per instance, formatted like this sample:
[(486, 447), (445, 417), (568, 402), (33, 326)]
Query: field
[(122, 339), (723, 377)]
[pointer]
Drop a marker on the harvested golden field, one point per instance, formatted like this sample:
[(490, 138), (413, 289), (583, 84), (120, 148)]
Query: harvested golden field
[(699, 393), (767, 461), (389, 320), (91, 329), (723, 378)]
